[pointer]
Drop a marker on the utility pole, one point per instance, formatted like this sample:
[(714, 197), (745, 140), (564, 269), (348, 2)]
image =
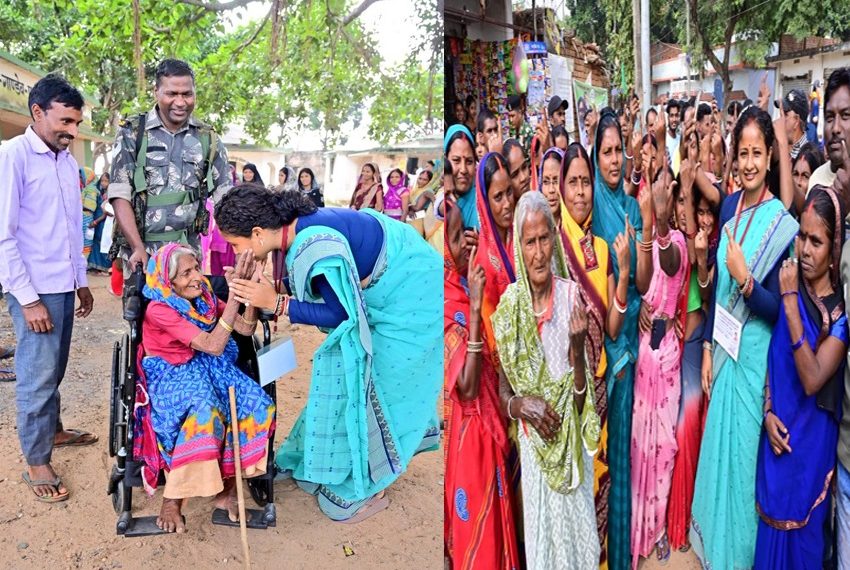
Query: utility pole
[(646, 69)]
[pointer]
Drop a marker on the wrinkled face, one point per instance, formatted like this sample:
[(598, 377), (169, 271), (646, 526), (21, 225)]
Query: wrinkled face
[(395, 178), (515, 118), (673, 116), (753, 158), (454, 235), (247, 175), (422, 179), (187, 282), (578, 191), (260, 242), (561, 142), (306, 179), (551, 176), (460, 112), (57, 125), (537, 244), (558, 117), (176, 99), (501, 199), (705, 217), (813, 245), (611, 157), (801, 174), (520, 172), (837, 125), (463, 164)]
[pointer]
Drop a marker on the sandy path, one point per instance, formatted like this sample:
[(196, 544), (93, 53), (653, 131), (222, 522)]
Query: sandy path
[(80, 533)]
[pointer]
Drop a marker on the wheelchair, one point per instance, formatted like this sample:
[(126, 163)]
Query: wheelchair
[(126, 471)]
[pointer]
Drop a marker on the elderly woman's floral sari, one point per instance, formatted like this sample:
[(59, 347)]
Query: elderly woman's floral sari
[(182, 407)]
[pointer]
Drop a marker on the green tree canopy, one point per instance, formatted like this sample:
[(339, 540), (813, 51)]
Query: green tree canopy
[(305, 64)]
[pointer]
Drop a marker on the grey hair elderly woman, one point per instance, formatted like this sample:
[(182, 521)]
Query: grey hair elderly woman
[(540, 328)]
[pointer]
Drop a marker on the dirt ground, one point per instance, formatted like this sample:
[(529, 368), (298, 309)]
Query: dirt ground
[(80, 533)]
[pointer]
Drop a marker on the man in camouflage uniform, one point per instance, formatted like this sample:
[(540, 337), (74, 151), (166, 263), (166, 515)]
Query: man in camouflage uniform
[(174, 171)]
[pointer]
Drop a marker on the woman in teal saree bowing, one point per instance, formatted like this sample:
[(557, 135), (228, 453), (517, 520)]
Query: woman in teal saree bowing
[(757, 234), (375, 285)]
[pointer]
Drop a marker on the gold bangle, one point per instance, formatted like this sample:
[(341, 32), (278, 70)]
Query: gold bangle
[(225, 326), (247, 322)]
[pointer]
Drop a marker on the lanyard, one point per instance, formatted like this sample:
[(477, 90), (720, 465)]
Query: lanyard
[(740, 211)]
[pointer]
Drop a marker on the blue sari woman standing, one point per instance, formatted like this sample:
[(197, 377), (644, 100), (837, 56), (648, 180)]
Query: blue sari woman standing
[(805, 372), (756, 236), (614, 213), (373, 284)]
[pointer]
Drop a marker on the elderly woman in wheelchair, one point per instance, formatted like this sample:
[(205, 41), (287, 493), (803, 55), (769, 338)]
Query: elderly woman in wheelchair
[(188, 361)]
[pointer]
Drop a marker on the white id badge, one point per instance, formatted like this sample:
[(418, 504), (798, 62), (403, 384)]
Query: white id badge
[(276, 360), (727, 331)]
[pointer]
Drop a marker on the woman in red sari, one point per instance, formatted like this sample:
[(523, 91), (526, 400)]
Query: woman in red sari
[(478, 515)]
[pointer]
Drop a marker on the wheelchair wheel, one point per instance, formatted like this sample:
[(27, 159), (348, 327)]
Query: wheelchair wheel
[(117, 419), (118, 498)]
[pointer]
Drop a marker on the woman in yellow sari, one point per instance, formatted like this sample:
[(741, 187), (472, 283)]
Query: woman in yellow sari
[(589, 263)]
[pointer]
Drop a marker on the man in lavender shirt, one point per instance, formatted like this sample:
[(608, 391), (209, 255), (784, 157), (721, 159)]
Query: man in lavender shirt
[(41, 267)]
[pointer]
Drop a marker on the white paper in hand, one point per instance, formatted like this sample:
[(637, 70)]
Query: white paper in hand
[(276, 360)]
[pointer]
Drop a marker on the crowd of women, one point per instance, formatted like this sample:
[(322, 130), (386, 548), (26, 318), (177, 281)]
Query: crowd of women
[(646, 351)]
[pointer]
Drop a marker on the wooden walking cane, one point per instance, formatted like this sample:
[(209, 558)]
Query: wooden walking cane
[(234, 430)]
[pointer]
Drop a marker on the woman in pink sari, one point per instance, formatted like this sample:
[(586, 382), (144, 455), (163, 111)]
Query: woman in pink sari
[(657, 382)]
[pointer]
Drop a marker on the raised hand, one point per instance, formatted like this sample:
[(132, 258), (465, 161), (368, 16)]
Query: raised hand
[(701, 242), (476, 279), (764, 93), (789, 273), (496, 140), (578, 324), (645, 204), (735, 261)]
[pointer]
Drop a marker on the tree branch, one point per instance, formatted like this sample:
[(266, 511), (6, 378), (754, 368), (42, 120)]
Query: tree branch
[(355, 13), (216, 6)]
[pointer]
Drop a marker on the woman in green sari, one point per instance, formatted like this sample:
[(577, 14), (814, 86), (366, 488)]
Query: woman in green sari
[(756, 236), (540, 328), (374, 285)]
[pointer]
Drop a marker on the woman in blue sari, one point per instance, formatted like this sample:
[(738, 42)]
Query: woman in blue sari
[(617, 213), (756, 236), (375, 285), (805, 372), (459, 146)]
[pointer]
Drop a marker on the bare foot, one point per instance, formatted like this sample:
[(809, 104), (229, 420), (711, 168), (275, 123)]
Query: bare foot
[(228, 500), (45, 473), (170, 519)]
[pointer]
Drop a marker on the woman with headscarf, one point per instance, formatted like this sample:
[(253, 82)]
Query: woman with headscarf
[(540, 328), (397, 196), (286, 180), (589, 262), (375, 286), (756, 237), (183, 423), (459, 146), (250, 175), (478, 510), (309, 186), (97, 260), (803, 394), (369, 193), (616, 213)]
